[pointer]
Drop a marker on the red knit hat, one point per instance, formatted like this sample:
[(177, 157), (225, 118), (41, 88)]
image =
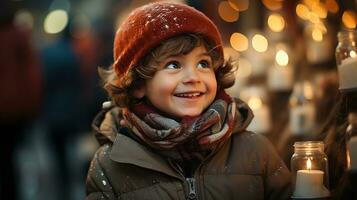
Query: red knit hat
[(149, 25)]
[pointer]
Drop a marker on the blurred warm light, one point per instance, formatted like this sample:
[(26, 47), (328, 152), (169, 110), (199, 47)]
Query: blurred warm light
[(321, 26), (308, 90), (302, 11), (353, 54), (311, 3), (255, 103), (349, 19), (273, 4), (282, 58), (317, 35), (239, 42), (259, 43), (55, 21), (239, 5), (24, 18), (227, 13), (244, 68), (313, 17), (320, 10), (276, 22), (308, 164), (348, 157), (332, 6)]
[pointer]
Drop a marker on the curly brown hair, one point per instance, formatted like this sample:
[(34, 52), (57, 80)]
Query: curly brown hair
[(121, 92)]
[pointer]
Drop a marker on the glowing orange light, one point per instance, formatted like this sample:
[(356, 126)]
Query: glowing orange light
[(308, 164), (349, 19), (227, 13)]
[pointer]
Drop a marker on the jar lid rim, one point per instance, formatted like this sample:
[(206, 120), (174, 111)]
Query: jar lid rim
[(309, 144)]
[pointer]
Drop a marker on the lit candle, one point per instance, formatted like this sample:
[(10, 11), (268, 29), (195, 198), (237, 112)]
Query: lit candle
[(309, 183), (347, 73)]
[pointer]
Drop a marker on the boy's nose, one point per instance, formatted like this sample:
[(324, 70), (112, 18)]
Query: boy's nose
[(191, 75)]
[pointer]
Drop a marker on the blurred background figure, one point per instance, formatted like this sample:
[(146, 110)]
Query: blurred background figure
[(21, 93), (61, 114)]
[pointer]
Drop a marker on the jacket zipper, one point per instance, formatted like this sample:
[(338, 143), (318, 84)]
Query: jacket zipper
[(192, 188), (191, 182)]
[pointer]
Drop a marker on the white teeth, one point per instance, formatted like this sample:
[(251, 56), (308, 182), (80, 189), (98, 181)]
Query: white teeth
[(188, 94)]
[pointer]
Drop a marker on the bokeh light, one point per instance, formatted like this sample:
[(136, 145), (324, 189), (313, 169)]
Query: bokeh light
[(317, 35), (349, 19), (227, 13), (239, 5), (320, 10), (273, 5), (239, 42), (55, 21), (255, 103), (276, 22), (259, 43), (302, 11), (282, 58), (308, 91), (332, 6), (314, 18)]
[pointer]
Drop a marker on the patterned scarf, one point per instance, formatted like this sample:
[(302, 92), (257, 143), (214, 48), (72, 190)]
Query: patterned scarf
[(191, 135)]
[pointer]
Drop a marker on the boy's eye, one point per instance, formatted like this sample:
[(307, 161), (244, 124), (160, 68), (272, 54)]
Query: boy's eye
[(172, 65), (203, 64)]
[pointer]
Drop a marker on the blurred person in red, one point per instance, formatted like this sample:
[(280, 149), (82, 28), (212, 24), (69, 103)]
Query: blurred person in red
[(20, 84)]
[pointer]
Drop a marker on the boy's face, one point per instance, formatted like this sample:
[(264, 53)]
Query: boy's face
[(184, 85)]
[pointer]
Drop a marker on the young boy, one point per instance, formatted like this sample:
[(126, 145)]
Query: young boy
[(173, 132)]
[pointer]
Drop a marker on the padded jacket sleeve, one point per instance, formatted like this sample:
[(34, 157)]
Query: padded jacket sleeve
[(97, 183), (277, 175)]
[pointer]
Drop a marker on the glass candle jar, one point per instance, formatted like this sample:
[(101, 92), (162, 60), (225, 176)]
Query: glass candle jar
[(309, 168), (346, 59)]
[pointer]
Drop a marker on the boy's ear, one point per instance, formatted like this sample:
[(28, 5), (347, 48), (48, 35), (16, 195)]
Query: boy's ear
[(139, 92)]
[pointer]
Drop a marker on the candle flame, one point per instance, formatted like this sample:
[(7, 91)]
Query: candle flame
[(348, 159), (308, 164)]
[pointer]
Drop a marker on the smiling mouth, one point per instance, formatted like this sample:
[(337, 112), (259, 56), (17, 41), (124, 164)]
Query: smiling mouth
[(189, 95)]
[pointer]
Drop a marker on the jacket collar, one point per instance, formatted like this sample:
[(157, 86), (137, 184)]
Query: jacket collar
[(124, 149), (127, 150)]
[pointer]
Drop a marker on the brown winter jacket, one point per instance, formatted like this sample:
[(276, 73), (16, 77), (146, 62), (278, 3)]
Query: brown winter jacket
[(245, 167)]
